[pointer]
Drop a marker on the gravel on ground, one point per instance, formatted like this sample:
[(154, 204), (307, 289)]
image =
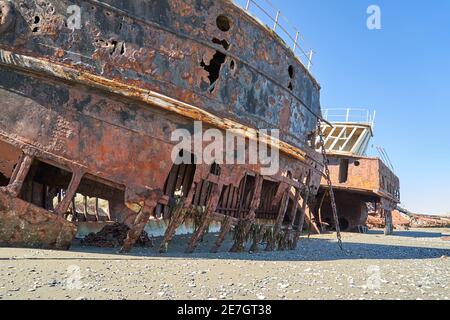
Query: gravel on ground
[(409, 265)]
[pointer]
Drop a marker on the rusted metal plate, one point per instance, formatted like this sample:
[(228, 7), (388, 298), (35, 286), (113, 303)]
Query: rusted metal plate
[(352, 209), (9, 158), (358, 181), (160, 46), (365, 175), (25, 225)]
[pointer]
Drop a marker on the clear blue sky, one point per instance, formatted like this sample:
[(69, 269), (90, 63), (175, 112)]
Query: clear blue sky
[(402, 71)]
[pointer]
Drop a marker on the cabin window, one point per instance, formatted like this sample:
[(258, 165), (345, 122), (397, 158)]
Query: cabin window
[(94, 201), (268, 193), (45, 185), (343, 170), (179, 181), (237, 201), (84, 208), (181, 177)]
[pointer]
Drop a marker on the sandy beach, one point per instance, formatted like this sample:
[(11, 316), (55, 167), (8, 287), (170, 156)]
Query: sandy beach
[(409, 265)]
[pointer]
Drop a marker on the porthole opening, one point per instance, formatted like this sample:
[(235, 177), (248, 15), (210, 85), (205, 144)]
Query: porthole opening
[(223, 23), (357, 163), (291, 72), (343, 170), (291, 76)]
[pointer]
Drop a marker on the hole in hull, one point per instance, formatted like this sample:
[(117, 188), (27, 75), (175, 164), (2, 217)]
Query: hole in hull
[(232, 65), (223, 23), (214, 69), (45, 185), (343, 170), (178, 183), (215, 65), (236, 201), (223, 43), (291, 76), (291, 72), (4, 181), (268, 193), (94, 201)]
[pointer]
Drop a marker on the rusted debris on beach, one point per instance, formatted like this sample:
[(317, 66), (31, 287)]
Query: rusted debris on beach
[(25, 225), (427, 221), (400, 221), (113, 236), (404, 220)]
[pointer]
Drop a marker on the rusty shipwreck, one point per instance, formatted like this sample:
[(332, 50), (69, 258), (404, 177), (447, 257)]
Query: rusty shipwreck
[(86, 115), (362, 185)]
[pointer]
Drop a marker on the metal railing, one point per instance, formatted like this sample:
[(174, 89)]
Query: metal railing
[(288, 31), (348, 115)]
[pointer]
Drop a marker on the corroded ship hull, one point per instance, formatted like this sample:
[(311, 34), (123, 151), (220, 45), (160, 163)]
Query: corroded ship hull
[(89, 113)]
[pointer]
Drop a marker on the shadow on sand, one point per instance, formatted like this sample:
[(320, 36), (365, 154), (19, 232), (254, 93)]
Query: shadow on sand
[(412, 234), (308, 250)]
